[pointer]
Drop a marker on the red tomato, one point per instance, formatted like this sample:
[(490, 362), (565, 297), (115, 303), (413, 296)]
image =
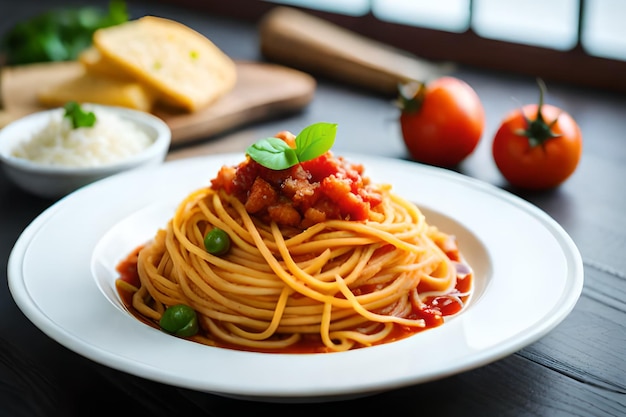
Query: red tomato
[(442, 122), (538, 146)]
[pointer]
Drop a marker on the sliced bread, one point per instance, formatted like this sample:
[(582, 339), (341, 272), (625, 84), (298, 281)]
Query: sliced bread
[(182, 65)]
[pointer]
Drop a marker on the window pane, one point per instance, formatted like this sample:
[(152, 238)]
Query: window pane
[(348, 7), (604, 28), (448, 15), (547, 23)]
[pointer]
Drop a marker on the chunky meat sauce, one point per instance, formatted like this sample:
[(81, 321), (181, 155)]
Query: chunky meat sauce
[(310, 192)]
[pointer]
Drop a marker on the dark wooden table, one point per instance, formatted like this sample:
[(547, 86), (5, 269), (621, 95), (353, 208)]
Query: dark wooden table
[(578, 369)]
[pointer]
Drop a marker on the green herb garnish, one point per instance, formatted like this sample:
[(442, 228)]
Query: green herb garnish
[(78, 116), (314, 140)]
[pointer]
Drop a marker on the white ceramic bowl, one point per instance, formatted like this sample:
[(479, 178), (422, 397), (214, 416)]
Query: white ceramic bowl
[(54, 181)]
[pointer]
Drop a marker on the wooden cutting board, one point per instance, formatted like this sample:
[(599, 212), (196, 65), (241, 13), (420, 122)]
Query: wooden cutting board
[(262, 91)]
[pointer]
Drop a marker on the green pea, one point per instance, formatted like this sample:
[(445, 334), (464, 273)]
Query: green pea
[(217, 242), (179, 320)]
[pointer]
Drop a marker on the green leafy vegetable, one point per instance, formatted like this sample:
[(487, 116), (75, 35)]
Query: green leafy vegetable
[(78, 116), (314, 140), (58, 35), (273, 153)]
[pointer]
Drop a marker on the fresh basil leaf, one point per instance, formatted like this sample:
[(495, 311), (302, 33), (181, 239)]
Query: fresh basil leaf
[(78, 116), (315, 140), (273, 153)]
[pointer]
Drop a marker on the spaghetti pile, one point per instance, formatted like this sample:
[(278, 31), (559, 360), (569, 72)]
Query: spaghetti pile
[(331, 285)]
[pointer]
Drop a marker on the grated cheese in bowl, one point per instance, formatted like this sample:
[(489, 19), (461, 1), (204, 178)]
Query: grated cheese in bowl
[(111, 139), (54, 152)]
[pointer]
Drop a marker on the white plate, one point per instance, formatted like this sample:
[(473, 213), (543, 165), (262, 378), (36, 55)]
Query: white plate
[(528, 275)]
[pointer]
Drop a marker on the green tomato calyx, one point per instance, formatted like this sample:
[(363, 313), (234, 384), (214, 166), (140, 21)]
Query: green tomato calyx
[(538, 131), (411, 96)]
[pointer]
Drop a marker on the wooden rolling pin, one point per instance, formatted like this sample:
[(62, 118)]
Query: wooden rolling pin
[(300, 40)]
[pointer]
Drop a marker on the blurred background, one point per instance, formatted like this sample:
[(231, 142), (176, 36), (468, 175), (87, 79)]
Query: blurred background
[(582, 42)]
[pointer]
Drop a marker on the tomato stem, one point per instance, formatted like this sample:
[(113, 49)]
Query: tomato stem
[(538, 131), (411, 96)]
